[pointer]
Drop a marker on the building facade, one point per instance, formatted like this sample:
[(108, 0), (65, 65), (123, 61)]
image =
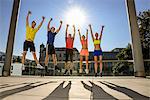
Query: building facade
[(61, 56)]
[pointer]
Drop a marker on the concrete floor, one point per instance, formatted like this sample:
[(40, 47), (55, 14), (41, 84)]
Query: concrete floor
[(74, 88)]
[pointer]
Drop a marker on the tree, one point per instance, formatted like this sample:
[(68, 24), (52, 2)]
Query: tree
[(143, 20), (124, 68), (144, 29)]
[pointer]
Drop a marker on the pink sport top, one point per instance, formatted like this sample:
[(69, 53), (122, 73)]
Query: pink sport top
[(84, 43), (69, 43)]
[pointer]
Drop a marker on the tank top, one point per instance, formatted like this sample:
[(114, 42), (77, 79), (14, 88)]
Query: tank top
[(96, 42), (69, 43), (84, 42), (51, 37)]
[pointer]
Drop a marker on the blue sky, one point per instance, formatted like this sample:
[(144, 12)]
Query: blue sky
[(111, 13)]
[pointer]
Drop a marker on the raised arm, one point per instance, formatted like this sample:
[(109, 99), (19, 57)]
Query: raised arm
[(74, 30), (66, 31), (87, 34), (43, 18), (27, 18), (79, 34), (101, 33), (59, 27), (48, 26), (91, 32)]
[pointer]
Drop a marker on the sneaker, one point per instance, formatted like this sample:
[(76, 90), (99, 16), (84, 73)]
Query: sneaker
[(57, 68), (23, 67), (65, 72), (96, 75), (39, 66), (101, 74), (70, 72), (87, 71), (46, 69)]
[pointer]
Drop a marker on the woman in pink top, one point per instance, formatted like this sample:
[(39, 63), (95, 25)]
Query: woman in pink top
[(69, 48), (84, 51)]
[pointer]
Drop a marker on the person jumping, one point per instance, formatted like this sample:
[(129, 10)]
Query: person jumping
[(84, 51), (69, 48), (97, 49), (29, 41), (50, 49)]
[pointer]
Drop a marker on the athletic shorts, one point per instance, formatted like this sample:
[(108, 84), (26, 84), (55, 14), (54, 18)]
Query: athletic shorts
[(69, 53), (51, 49), (28, 44), (97, 53), (84, 52)]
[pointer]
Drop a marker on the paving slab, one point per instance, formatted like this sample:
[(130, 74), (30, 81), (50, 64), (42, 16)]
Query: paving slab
[(74, 88)]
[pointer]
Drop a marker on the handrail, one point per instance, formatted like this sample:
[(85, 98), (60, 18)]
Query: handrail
[(145, 60)]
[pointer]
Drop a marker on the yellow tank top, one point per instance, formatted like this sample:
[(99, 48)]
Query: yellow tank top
[(97, 42), (30, 33)]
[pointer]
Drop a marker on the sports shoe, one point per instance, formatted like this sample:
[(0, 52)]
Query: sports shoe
[(87, 71), (96, 75), (66, 72), (101, 74), (39, 66), (57, 68), (70, 72), (23, 67)]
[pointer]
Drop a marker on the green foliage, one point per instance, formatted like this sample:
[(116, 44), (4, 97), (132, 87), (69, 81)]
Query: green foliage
[(144, 29), (124, 68), (126, 54)]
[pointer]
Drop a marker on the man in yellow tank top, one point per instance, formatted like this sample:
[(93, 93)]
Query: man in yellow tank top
[(29, 42)]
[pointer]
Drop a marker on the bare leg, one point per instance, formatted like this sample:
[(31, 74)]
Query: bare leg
[(35, 58), (46, 59), (87, 67), (81, 60), (54, 59), (101, 64), (24, 56), (47, 56), (96, 63)]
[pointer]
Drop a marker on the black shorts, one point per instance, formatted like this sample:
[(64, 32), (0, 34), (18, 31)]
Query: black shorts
[(69, 52), (28, 44), (51, 49)]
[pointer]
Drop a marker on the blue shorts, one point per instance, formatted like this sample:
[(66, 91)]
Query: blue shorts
[(97, 53)]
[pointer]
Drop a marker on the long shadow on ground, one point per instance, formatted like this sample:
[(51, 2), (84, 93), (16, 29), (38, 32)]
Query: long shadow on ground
[(21, 89), (131, 93), (97, 93), (7, 85), (60, 93)]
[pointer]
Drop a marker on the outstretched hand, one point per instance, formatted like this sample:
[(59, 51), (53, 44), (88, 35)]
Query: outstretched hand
[(61, 21), (89, 25), (51, 19), (29, 12), (43, 17), (102, 26)]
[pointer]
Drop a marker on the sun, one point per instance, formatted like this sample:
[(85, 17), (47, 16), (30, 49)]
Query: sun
[(75, 16)]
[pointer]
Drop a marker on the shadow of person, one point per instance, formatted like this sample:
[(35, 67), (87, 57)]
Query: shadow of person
[(60, 93), (134, 95), (97, 93), (21, 89)]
